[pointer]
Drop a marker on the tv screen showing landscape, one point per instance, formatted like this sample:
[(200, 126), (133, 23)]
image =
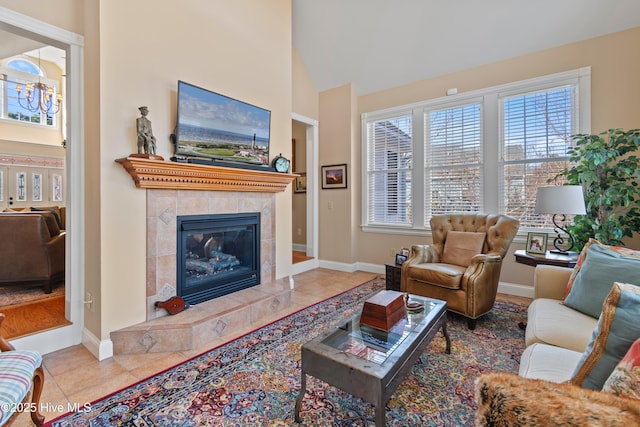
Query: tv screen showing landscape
[(215, 126)]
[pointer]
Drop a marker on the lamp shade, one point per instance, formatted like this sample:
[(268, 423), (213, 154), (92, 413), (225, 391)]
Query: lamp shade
[(564, 199)]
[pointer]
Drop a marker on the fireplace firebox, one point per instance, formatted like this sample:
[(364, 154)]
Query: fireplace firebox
[(217, 255)]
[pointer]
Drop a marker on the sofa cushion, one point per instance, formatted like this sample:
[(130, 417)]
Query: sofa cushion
[(461, 246), (16, 373), (618, 328), (625, 378), (445, 275), (602, 266), (551, 322), (548, 362), (583, 254)]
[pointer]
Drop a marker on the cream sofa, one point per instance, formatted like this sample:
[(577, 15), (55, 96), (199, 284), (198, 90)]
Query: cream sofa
[(556, 335)]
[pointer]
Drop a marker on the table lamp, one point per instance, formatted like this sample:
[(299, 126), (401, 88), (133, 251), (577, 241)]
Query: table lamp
[(561, 200)]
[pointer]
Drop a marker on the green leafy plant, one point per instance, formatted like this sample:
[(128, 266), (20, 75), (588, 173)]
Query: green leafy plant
[(607, 167)]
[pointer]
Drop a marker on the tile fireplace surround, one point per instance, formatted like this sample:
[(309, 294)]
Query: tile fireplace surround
[(172, 190)]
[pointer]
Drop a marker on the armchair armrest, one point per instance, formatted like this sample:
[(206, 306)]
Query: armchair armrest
[(423, 253), (550, 281)]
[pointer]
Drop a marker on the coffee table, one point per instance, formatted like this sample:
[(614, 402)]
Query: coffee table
[(369, 363)]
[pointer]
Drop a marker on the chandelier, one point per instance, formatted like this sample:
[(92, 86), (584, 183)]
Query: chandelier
[(38, 96)]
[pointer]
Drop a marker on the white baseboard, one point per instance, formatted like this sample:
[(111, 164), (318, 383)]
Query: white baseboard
[(299, 247), (100, 349), (515, 289)]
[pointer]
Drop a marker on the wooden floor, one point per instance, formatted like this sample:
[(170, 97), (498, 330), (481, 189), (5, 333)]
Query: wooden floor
[(36, 316), (299, 256)]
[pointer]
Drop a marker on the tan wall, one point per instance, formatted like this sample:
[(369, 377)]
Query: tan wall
[(238, 48), (305, 94), (614, 103), (336, 205), (66, 14)]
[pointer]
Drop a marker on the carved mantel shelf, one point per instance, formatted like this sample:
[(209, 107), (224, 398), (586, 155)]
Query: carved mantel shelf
[(160, 174)]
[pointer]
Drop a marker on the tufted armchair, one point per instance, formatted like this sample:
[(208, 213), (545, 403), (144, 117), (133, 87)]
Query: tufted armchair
[(462, 266)]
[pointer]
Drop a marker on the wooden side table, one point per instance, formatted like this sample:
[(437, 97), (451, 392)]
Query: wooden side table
[(394, 275), (549, 258)]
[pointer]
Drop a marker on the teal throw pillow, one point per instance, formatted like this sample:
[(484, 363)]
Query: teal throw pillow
[(618, 328), (601, 268)]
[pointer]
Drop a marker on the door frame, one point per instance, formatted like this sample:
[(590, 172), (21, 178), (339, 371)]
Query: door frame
[(73, 45), (312, 194)]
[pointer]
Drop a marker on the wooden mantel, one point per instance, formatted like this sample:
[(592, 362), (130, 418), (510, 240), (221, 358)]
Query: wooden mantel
[(160, 174)]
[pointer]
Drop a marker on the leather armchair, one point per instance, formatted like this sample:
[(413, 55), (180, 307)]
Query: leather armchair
[(469, 287), (32, 250)]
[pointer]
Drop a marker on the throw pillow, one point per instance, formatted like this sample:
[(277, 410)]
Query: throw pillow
[(461, 246), (583, 255), (602, 266), (625, 378), (617, 329)]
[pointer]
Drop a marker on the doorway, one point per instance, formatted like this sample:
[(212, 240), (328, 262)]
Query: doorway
[(305, 204), (40, 33)]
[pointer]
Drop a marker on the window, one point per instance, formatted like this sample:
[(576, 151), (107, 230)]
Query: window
[(389, 171), (20, 72), (487, 150), (537, 129), (453, 176)]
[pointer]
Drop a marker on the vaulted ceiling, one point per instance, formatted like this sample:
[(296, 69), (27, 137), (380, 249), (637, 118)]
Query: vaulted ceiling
[(380, 44)]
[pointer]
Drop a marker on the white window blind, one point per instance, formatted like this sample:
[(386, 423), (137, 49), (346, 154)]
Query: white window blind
[(453, 160), (537, 129), (389, 162)]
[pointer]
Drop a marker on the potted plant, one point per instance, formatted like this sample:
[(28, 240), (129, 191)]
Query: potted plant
[(608, 168)]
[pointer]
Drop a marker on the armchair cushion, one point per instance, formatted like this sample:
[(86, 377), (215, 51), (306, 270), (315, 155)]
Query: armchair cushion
[(444, 275), (16, 372), (461, 246)]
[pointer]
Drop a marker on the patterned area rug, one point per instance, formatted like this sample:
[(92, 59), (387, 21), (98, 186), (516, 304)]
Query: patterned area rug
[(254, 380)]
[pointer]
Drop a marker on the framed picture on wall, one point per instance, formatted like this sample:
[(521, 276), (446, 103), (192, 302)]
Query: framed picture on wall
[(537, 243), (334, 176), (300, 185)]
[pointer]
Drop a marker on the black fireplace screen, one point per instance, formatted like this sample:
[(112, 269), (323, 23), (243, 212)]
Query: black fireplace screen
[(217, 255)]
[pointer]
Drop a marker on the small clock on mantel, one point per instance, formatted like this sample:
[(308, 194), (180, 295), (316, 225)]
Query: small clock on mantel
[(281, 164)]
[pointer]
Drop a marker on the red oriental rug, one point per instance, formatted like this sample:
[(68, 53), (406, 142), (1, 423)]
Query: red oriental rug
[(254, 380)]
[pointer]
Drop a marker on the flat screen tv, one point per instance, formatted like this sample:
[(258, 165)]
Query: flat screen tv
[(216, 127)]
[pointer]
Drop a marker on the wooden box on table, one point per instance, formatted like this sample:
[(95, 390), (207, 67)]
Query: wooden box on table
[(383, 310)]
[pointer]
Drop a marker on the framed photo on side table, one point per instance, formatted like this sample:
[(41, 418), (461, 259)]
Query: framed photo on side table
[(537, 243), (334, 176), (400, 259)]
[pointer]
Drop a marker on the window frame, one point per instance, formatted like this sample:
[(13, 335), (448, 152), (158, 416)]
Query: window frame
[(491, 131)]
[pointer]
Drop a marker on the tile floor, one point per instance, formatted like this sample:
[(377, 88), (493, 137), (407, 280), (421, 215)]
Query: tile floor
[(75, 376)]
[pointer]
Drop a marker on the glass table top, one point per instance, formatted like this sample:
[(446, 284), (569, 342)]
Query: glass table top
[(376, 345)]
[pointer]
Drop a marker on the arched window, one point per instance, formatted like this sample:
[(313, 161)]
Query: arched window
[(20, 72)]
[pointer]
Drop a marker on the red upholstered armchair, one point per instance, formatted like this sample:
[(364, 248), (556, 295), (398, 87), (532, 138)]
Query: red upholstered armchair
[(462, 266)]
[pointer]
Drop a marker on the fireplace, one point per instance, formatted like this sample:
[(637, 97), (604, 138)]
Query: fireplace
[(217, 254)]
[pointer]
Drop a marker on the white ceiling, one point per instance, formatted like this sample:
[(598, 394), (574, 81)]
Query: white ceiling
[(379, 44)]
